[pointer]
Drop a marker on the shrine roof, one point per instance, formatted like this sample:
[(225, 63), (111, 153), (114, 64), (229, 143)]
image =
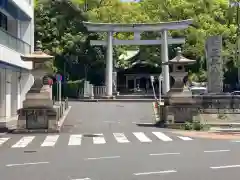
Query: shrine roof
[(128, 55), (180, 59), (122, 27)]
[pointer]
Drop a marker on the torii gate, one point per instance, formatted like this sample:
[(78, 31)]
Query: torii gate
[(138, 28)]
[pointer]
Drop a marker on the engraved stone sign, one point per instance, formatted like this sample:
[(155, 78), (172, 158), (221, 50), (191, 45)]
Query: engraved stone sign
[(213, 50)]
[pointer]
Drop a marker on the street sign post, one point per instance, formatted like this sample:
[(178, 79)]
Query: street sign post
[(160, 78), (152, 80), (59, 87)]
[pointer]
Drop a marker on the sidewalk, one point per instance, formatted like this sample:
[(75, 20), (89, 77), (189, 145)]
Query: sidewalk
[(210, 135)]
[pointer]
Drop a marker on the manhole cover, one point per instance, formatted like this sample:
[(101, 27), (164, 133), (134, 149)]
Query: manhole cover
[(30, 151), (92, 135)]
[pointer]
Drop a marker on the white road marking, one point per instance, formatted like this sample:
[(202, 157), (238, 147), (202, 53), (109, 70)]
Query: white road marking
[(185, 138), (142, 137), (3, 140), (224, 167), (112, 122), (108, 157), (24, 164), (162, 136), (121, 138), (212, 151), (50, 140), (236, 141), (82, 179), (163, 154), (159, 172), (99, 139), (23, 142), (75, 140)]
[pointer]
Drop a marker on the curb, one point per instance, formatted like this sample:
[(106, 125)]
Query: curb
[(61, 121), (209, 135), (111, 100)]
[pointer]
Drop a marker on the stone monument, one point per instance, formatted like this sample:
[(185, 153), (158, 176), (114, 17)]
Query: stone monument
[(179, 101), (213, 50), (38, 110)]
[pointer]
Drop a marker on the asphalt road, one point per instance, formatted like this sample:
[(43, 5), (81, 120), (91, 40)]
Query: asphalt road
[(174, 159)]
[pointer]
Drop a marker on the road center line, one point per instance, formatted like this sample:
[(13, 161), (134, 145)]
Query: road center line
[(159, 172), (224, 167), (223, 150), (25, 164), (108, 157), (163, 154)]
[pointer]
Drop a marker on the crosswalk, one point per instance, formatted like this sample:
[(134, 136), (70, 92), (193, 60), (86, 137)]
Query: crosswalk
[(50, 140)]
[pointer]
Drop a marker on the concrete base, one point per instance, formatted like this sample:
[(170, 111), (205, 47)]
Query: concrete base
[(179, 113), (55, 126)]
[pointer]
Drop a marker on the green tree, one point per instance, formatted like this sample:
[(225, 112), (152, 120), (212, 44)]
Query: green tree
[(58, 24)]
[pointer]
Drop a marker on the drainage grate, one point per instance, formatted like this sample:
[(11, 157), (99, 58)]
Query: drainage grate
[(92, 135)]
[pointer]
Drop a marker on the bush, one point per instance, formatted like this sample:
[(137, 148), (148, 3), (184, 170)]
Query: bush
[(196, 125), (187, 125), (70, 89)]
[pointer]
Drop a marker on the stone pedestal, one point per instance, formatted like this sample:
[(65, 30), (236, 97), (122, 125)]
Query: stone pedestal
[(39, 111)]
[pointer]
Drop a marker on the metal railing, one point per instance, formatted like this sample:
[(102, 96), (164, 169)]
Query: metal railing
[(14, 43)]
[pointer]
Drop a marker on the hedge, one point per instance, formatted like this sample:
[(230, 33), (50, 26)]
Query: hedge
[(69, 89)]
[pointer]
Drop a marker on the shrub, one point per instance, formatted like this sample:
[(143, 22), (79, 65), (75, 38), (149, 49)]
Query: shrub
[(70, 89), (187, 125)]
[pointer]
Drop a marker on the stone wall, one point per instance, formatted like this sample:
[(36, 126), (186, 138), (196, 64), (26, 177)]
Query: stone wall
[(203, 104)]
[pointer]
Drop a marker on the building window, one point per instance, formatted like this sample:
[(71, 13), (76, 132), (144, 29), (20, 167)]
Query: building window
[(3, 21)]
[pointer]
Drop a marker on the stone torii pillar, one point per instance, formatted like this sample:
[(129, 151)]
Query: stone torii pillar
[(165, 68), (110, 28), (109, 65)]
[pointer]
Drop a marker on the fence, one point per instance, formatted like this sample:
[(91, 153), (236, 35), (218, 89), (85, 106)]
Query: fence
[(91, 91)]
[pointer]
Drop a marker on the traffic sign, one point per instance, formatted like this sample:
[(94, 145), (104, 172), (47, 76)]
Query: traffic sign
[(58, 77)]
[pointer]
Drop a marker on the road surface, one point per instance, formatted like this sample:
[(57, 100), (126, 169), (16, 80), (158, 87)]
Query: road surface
[(97, 149)]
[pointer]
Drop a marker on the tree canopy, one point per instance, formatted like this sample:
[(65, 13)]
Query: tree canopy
[(58, 25)]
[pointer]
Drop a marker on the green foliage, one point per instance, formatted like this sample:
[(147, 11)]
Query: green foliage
[(193, 125), (72, 88), (69, 89), (58, 24), (187, 126), (222, 116)]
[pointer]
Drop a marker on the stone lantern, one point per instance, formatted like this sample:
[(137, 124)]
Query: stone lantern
[(178, 74), (38, 110), (179, 99)]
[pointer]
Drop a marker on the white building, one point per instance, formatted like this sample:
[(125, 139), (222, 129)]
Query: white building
[(16, 39)]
